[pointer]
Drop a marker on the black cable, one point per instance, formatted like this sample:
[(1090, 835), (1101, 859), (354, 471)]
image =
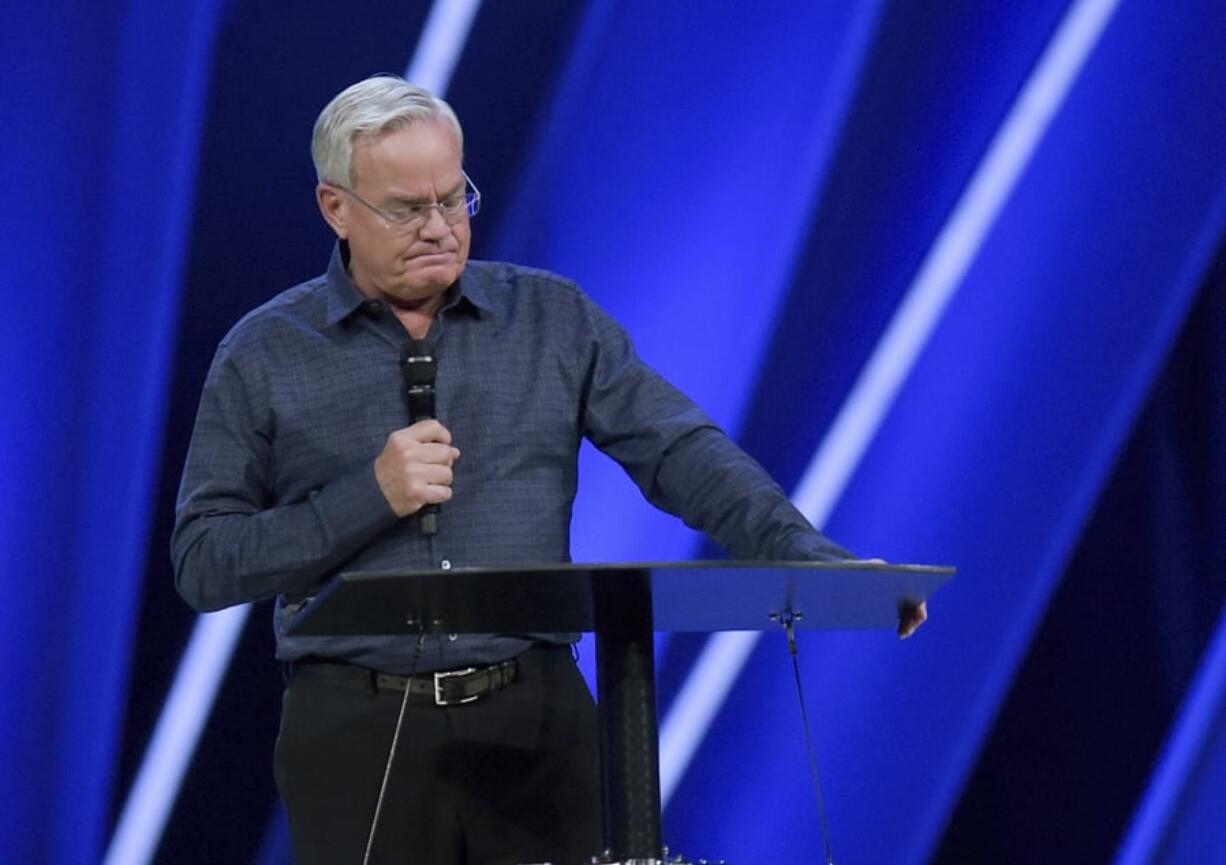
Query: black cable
[(788, 620), (391, 752)]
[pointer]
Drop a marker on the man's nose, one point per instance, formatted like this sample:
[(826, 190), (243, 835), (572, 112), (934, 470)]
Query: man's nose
[(435, 225)]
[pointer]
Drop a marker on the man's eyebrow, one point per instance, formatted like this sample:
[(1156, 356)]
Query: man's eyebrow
[(458, 189), (403, 201)]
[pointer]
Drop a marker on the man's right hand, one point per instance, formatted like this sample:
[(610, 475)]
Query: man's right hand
[(414, 469)]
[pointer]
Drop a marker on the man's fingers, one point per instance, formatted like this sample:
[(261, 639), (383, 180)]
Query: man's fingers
[(435, 494), (414, 468), (437, 454), (409, 447), (910, 618), (431, 474), (429, 430)]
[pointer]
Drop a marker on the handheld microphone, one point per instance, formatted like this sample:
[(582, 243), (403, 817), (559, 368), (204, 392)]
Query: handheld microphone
[(419, 367)]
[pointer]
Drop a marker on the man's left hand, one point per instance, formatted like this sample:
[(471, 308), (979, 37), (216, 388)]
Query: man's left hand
[(910, 618)]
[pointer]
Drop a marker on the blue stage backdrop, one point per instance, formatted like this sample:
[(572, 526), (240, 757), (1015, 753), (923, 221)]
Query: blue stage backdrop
[(954, 272)]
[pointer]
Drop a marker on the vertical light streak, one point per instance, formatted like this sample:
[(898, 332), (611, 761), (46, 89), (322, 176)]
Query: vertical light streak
[(1176, 766), (442, 40), (905, 337), (174, 738)]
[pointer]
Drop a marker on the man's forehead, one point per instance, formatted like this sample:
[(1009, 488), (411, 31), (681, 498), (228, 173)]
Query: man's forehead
[(416, 159)]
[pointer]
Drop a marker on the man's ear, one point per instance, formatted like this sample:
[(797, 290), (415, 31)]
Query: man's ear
[(331, 207)]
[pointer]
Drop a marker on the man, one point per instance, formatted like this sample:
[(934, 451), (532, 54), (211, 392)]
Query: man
[(303, 463)]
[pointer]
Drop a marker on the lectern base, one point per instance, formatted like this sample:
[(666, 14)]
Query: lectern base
[(651, 860)]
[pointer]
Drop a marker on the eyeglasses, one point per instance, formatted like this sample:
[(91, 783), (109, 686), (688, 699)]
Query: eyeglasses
[(411, 217)]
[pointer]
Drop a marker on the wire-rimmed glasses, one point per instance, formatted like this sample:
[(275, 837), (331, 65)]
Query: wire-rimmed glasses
[(411, 217)]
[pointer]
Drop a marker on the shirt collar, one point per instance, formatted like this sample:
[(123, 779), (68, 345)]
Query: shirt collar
[(472, 288), (344, 297)]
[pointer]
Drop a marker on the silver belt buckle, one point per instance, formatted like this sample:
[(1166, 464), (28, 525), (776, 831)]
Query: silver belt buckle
[(438, 687)]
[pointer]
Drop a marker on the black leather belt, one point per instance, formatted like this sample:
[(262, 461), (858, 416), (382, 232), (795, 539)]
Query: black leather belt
[(452, 687)]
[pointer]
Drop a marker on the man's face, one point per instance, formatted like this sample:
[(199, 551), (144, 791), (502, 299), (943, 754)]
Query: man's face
[(415, 165)]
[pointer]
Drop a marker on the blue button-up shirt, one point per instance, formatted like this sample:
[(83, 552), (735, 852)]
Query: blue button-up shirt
[(279, 496)]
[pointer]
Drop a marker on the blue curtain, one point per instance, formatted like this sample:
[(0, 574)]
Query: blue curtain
[(105, 101)]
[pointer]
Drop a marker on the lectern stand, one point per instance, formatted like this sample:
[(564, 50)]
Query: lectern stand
[(623, 604)]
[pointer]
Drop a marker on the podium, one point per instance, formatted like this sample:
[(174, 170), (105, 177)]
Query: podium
[(623, 604)]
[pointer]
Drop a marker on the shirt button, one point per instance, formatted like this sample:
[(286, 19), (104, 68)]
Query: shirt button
[(446, 564), (373, 307), (452, 637)]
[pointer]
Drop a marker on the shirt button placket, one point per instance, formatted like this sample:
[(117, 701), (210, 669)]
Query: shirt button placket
[(445, 564)]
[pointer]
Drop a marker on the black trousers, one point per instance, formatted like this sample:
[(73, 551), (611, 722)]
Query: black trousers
[(511, 778)]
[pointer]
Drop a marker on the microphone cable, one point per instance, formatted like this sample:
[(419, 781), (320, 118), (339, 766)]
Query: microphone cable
[(391, 752), (788, 620)]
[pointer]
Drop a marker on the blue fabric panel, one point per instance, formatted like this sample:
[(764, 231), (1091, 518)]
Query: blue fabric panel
[(93, 233), (993, 456), (673, 180), (1194, 833)]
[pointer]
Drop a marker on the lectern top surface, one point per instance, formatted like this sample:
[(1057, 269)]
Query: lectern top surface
[(559, 597)]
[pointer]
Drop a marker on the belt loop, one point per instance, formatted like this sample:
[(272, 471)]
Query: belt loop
[(372, 681)]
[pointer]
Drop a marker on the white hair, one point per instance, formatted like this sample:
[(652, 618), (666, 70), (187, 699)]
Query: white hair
[(369, 109)]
